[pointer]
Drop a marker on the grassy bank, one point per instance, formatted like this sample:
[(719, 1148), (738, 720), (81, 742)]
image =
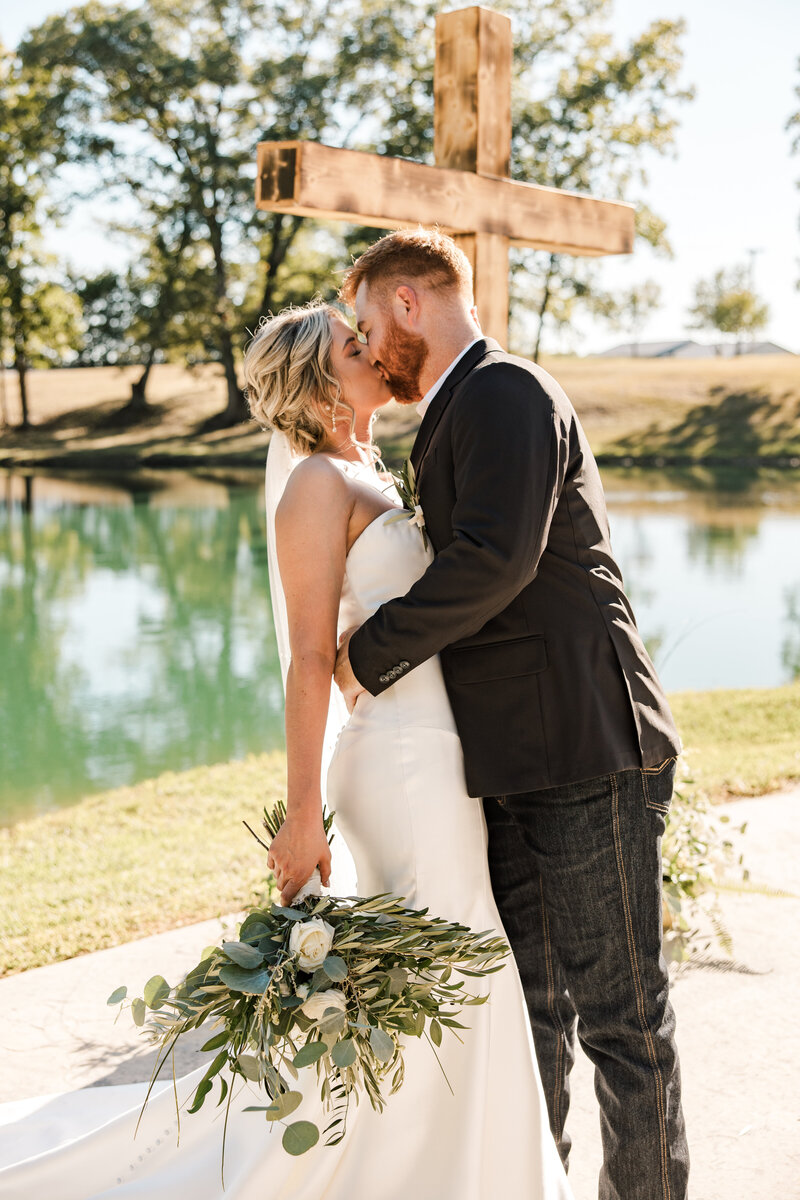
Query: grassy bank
[(742, 742), (134, 861), (172, 850), (744, 410)]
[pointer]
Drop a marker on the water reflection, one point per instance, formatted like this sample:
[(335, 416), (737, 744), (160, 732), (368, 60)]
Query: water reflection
[(136, 633)]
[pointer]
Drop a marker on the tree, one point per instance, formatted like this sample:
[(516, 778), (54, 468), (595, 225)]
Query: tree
[(38, 318), (631, 308), (187, 88), (726, 303), (184, 90)]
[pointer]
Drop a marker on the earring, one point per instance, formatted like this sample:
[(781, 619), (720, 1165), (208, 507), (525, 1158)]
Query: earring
[(333, 410)]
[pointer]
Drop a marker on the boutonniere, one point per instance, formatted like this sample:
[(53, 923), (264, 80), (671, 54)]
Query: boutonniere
[(405, 481)]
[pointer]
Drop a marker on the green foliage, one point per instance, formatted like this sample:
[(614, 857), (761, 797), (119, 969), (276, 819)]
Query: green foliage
[(392, 975), (631, 308), (182, 92), (38, 319), (728, 304), (695, 852)]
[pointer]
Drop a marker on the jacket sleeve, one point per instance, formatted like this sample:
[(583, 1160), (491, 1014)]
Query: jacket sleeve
[(510, 451)]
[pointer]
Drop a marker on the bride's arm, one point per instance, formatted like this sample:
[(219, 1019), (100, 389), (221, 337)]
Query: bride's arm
[(311, 533)]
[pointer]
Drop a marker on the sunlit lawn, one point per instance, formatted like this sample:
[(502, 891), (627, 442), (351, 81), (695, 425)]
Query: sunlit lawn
[(727, 407)]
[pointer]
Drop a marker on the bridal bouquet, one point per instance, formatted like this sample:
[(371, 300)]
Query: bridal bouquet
[(329, 985)]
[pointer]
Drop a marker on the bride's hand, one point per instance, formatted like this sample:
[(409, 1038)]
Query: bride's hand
[(299, 847)]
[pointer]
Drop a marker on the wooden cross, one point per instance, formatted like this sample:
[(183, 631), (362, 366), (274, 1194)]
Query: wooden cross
[(468, 193)]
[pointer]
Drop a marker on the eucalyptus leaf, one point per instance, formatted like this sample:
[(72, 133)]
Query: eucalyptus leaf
[(335, 968), (155, 991), (238, 979), (310, 1053), (118, 995), (331, 1026), (291, 914), (436, 1033), (344, 1053), (242, 954), (299, 1137), (286, 1103), (139, 1011), (254, 926), (382, 1045), (250, 1067)]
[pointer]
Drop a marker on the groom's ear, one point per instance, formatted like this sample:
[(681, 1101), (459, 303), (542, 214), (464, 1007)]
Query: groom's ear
[(406, 305)]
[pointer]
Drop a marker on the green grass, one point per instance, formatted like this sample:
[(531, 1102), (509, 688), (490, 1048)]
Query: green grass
[(134, 861), (172, 850), (742, 742)]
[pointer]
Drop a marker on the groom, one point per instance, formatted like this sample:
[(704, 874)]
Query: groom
[(566, 731)]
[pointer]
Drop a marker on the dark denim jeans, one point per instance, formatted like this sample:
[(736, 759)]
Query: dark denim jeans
[(576, 873)]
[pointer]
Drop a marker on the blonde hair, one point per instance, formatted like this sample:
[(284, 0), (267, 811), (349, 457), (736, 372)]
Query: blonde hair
[(290, 381), (410, 254)]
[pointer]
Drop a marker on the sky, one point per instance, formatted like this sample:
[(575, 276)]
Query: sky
[(730, 188)]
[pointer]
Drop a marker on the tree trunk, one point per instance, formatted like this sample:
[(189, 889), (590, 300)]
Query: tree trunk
[(543, 305), (235, 409), (21, 367), (283, 235), (3, 407), (138, 401)]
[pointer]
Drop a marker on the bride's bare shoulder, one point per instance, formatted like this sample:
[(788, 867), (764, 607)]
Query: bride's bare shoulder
[(316, 484)]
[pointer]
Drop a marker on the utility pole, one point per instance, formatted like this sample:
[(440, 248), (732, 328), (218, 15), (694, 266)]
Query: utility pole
[(751, 278)]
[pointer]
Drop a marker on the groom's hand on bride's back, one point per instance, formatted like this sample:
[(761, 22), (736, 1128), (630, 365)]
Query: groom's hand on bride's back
[(343, 675)]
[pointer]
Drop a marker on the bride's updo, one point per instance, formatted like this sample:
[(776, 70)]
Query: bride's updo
[(289, 375)]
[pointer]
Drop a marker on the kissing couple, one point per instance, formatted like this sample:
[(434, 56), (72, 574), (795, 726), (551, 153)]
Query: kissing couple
[(498, 751), (509, 756)]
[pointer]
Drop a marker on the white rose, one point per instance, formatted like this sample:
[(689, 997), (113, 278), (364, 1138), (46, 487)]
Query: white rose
[(316, 1005), (311, 942)]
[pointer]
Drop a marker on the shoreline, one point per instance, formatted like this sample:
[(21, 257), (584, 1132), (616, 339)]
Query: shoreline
[(158, 460)]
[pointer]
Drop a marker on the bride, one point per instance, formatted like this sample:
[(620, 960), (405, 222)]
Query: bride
[(339, 548)]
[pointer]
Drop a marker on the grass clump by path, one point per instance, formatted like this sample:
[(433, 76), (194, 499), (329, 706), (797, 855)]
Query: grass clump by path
[(742, 742), (173, 850), (135, 861)]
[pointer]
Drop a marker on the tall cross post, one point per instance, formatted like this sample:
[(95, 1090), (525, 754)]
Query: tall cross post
[(469, 192)]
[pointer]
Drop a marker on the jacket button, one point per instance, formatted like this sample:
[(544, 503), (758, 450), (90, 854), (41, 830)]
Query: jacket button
[(383, 679), (404, 665)]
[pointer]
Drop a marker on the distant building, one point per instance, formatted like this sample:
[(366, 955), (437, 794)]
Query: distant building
[(688, 349)]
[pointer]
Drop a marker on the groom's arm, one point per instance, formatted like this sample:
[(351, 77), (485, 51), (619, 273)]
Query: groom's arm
[(510, 451)]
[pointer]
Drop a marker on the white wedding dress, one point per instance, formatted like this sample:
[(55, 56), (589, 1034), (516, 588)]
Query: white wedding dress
[(396, 783)]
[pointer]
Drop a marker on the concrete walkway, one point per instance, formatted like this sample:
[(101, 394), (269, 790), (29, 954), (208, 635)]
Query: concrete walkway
[(739, 1033)]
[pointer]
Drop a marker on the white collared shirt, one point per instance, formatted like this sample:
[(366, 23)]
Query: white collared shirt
[(422, 407)]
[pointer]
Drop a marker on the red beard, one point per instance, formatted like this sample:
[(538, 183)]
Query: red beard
[(402, 358)]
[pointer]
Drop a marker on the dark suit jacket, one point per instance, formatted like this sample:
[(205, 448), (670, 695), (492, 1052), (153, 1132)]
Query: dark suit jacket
[(546, 672)]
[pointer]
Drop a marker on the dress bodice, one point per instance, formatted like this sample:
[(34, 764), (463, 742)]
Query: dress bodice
[(384, 562)]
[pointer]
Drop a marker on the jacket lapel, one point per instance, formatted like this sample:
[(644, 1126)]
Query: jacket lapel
[(438, 405)]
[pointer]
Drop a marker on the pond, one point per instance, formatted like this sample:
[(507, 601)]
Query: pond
[(136, 633)]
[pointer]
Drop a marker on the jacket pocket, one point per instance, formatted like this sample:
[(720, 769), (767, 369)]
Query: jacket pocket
[(497, 660)]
